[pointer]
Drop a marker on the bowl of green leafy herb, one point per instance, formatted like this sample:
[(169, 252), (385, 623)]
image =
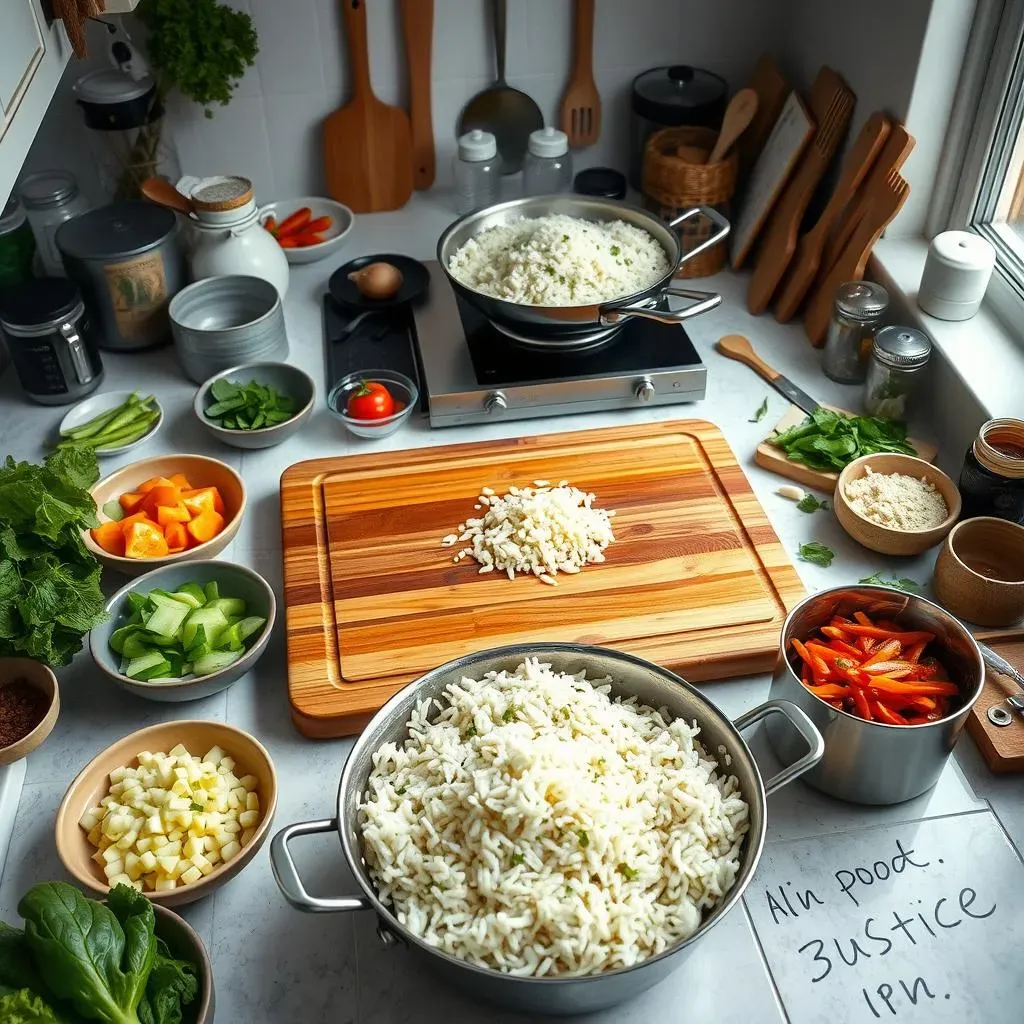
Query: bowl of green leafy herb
[(255, 405), (126, 961)]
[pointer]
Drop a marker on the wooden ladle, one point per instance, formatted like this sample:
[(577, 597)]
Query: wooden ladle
[(163, 193), (738, 115)]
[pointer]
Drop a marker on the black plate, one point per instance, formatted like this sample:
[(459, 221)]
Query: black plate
[(415, 279)]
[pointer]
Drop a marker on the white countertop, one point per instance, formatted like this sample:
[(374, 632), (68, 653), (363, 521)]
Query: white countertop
[(273, 964)]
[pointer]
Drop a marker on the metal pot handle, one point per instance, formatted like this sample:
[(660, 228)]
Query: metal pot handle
[(803, 725), (287, 876), (705, 301), (712, 215)]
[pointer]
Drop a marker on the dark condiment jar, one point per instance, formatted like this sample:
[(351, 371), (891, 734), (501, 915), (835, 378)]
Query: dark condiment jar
[(992, 480)]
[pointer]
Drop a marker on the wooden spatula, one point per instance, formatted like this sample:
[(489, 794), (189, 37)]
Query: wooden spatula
[(738, 115), (418, 29), (804, 265), (367, 144), (883, 201), (581, 104)]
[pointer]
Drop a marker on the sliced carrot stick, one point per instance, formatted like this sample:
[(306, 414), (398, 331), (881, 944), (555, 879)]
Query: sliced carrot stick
[(913, 688), (862, 618), (886, 714), (801, 650), (914, 651), (892, 669), (862, 704), (836, 633), (876, 633), (830, 691), (887, 650)]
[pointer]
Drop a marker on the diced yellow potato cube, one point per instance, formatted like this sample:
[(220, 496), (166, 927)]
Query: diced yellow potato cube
[(127, 841), (155, 825), (201, 862), (180, 787), (159, 842), (165, 884), (149, 881), (168, 864), (95, 834), (193, 874), (175, 835), (144, 843), (248, 782), (231, 826), (149, 861), (227, 764), (133, 866), (178, 803), (234, 803), (230, 850), (213, 856), (114, 867), (177, 750), (192, 846), (119, 879), (111, 855), (214, 755), (252, 802), (170, 848), (118, 774), (249, 819)]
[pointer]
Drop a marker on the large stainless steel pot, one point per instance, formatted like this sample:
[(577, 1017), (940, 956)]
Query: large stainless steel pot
[(654, 686), (870, 762), (571, 326)]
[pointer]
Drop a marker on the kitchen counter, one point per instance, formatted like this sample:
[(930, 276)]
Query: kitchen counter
[(273, 964)]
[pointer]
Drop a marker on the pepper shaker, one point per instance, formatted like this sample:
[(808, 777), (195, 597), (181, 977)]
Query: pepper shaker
[(897, 361), (858, 308)]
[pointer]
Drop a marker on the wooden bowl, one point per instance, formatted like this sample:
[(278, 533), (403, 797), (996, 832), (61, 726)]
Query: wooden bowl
[(92, 783), (38, 675), (184, 943), (979, 574), (885, 539), (201, 471)]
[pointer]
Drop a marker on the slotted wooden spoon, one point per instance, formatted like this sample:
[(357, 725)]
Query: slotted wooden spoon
[(738, 115), (581, 104), (367, 144)]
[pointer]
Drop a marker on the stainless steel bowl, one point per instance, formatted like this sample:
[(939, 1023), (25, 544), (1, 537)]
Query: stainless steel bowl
[(870, 762), (575, 326), (631, 676)]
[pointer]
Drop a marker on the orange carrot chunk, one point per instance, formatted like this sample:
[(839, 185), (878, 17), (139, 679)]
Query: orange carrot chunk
[(202, 499), (145, 540), (110, 537), (176, 536), (130, 501), (205, 526), (167, 514)]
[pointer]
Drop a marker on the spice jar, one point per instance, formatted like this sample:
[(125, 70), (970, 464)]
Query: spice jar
[(857, 310), (547, 168), (51, 199), (992, 479), (897, 361), (477, 171)]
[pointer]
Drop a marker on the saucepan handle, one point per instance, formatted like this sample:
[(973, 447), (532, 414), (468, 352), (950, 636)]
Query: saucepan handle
[(712, 215), (803, 725), (287, 876), (703, 303)]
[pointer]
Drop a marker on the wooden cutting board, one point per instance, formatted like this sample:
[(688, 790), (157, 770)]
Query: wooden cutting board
[(767, 456), (696, 579), (1002, 746)]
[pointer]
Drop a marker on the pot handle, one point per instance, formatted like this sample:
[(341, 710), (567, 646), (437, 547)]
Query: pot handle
[(704, 302), (287, 876), (803, 725), (712, 215)]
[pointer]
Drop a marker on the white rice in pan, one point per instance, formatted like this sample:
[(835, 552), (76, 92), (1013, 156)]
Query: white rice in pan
[(534, 825), (560, 261)]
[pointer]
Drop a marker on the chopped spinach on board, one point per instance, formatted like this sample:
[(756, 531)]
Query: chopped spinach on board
[(251, 406), (829, 441)]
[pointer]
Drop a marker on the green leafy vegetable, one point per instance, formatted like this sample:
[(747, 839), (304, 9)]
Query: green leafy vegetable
[(809, 503), (49, 582), (172, 985), (131, 420), (583, 837), (23, 1006), (829, 441), (762, 411), (899, 582), (817, 553), (518, 858), (627, 872), (251, 406)]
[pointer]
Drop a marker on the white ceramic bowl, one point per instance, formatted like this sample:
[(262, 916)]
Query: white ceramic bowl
[(96, 405), (334, 236)]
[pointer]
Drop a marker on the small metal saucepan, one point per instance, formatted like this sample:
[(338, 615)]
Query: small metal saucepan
[(870, 762), (631, 676), (579, 326)]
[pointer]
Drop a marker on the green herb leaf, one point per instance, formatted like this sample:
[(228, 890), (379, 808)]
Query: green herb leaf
[(583, 837), (470, 733), (195, 808), (400, 790), (809, 503), (510, 712), (762, 411), (829, 441), (899, 582), (517, 858), (248, 406), (615, 250), (817, 554), (627, 872)]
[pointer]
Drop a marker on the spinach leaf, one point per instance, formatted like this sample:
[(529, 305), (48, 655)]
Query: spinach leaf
[(827, 440), (173, 984), (809, 503), (23, 1006), (817, 554)]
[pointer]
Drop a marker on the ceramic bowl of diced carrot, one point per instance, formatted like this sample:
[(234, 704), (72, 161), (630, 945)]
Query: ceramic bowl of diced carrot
[(165, 510), (309, 228)]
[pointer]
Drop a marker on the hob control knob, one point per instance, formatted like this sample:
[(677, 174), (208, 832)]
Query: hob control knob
[(644, 390), (495, 402)]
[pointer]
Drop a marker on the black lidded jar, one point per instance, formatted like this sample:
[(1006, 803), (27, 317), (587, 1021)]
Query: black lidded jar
[(992, 480)]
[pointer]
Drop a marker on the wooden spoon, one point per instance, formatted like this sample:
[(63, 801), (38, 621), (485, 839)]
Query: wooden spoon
[(163, 193), (581, 104), (738, 115)]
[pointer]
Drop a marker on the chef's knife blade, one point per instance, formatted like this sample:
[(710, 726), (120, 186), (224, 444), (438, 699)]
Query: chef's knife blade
[(735, 346)]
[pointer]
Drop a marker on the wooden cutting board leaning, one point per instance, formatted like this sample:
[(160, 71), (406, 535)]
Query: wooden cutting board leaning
[(696, 579)]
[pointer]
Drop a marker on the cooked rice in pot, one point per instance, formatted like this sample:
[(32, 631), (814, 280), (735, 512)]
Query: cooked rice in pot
[(532, 824)]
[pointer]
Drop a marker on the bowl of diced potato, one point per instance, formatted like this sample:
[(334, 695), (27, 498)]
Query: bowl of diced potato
[(175, 810)]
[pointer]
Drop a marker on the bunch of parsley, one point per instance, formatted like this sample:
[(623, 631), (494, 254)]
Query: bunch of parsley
[(50, 593)]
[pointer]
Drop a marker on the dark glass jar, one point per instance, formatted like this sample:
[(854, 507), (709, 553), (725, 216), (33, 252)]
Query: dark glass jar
[(992, 480)]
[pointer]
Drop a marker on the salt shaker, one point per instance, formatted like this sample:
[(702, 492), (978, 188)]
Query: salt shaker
[(477, 171), (547, 167), (956, 274), (898, 359), (858, 308)]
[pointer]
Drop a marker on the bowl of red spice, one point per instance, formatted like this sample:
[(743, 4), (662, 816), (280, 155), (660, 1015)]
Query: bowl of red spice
[(29, 702)]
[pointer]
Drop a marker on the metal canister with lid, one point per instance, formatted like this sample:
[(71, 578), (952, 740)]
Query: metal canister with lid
[(48, 337), (857, 310), (128, 262), (898, 359)]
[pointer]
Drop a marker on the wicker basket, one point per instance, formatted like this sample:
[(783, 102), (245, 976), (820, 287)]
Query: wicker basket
[(672, 183)]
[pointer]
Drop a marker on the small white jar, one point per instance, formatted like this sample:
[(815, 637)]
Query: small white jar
[(547, 168), (477, 171), (956, 274)]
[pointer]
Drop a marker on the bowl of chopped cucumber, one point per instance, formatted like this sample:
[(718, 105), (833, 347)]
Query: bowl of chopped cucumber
[(184, 632)]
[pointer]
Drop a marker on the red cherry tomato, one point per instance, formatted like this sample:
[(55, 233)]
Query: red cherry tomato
[(370, 401)]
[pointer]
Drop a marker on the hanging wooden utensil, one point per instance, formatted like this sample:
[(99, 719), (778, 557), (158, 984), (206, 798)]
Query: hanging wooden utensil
[(883, 201), (418, 29), (831, 105), (804, 266), (738, 115), (367, 143), (581, 104)]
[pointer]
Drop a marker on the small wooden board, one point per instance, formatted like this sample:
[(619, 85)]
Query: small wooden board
[(1002, 746), (767, 456), (696, 580)]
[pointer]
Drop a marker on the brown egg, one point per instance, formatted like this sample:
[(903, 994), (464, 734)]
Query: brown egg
[(377, 280)]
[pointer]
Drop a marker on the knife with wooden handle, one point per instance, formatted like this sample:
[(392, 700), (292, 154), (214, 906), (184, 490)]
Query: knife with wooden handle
[(735, 346)]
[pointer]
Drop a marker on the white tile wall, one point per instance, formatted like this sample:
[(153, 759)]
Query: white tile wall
[(270, 131)]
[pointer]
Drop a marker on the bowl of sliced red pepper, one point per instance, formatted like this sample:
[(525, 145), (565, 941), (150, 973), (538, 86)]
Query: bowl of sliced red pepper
[(888, 678), (308, 229)]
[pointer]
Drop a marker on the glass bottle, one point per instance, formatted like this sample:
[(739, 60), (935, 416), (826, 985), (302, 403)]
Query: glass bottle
[(547, 168), (992, 479), (50, 199), (477, 171)]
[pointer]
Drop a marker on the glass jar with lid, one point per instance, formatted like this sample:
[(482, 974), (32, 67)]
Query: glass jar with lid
[(51, 198), (477, 171), (992, 479), (17, 245), (547, 167), (897, 363), (857, 310)]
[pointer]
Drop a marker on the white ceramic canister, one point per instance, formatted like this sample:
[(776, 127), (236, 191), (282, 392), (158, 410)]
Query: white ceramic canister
[(231, 239), (956, 274)]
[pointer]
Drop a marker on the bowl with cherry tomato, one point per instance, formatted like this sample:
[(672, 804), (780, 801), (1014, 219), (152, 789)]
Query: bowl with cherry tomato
[(308, 229), (373, 403)]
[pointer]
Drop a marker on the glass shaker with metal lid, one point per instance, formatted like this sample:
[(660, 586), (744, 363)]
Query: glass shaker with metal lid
[(858, 308), (898, 359)]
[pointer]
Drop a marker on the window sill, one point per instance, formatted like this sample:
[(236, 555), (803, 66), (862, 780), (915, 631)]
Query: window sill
[(982, 353)]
